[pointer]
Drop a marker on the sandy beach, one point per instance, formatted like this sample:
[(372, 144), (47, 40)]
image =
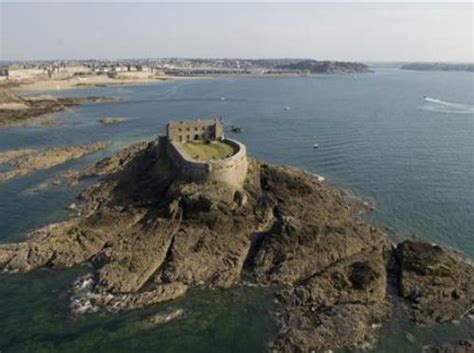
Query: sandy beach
[(78, 82)]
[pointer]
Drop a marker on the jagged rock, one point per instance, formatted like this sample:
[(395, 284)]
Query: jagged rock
[(337, 307), (150, 236), (24, 162), (161, 293), (160, 319), (460, 347), (437, 283)]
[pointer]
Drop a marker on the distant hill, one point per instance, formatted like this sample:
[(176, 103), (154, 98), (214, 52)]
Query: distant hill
[(438, 67), (326, 67)]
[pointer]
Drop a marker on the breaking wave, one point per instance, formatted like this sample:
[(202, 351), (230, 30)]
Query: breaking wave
[(441, 106)]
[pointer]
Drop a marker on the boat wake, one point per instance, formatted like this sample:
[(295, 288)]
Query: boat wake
[(441, 106)]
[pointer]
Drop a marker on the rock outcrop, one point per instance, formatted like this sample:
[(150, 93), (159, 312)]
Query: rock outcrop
[(437, 284), (18, 111), (460, 347), (25, 161), (150, 236), (109, 120)]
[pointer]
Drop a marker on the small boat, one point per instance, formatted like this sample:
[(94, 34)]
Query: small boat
[(222, 98), (287, 108), (315, 145), (235, 128)]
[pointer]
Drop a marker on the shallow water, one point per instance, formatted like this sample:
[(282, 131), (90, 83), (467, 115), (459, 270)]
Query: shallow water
[(213, 321), (377, 136)]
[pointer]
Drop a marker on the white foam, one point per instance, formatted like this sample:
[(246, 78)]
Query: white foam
[(81, 301), (441, 106)]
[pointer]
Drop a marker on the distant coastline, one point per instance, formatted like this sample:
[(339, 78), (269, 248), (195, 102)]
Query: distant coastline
[(438, 67), (328, 67), (61, 74)]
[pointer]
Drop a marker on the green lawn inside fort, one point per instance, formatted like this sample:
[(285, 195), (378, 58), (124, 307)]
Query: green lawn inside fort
[(205, 151)]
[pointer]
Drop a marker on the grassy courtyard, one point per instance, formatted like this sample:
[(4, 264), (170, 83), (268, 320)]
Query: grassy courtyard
[(202, 151)]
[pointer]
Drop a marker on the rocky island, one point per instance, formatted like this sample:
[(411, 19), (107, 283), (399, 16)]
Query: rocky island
[(162, 220)]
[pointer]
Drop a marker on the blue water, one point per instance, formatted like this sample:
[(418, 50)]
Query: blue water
[(377, 136)]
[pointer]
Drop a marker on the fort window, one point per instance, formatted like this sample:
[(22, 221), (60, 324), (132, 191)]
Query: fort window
[(188, 137), (196, 137)]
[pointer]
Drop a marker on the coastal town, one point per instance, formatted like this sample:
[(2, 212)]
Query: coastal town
[(77, 73)]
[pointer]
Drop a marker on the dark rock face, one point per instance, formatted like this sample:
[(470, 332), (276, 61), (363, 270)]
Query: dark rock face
[(460, 347), (331, 309), (151, 236), (438, 285)]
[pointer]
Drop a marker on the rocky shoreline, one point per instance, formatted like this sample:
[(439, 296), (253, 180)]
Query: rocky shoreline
[(459, 347), (22, 162), (150, 236), (20, 111)]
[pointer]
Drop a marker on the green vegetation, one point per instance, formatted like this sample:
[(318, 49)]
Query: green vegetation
[(205, 151), (326, 67)]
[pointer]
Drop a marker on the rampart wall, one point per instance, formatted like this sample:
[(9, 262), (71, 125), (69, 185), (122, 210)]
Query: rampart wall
[(231, 170)]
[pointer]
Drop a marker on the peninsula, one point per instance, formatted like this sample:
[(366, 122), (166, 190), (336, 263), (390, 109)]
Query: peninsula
[(191, 209)]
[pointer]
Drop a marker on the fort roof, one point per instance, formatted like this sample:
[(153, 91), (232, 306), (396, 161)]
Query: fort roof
[(194, 122)]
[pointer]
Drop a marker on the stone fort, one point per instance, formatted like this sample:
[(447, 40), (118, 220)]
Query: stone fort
[(185, 131), (230, 169)]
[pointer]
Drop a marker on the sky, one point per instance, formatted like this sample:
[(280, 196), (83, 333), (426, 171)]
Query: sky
[(323, 31)]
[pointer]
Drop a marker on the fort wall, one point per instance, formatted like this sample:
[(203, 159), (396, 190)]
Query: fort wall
[(231, 170)]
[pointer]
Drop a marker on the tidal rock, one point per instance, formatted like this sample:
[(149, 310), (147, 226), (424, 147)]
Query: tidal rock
[(438, 285), (341, 306), (19, 111), (460, 347), (161, 293), (163, 318), (24, 162), (109, 120)]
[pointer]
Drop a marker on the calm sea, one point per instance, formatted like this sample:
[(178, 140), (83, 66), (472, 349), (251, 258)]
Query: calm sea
[(402, 140)]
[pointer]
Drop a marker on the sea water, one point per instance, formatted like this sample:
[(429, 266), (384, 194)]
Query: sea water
[(402, 140)]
